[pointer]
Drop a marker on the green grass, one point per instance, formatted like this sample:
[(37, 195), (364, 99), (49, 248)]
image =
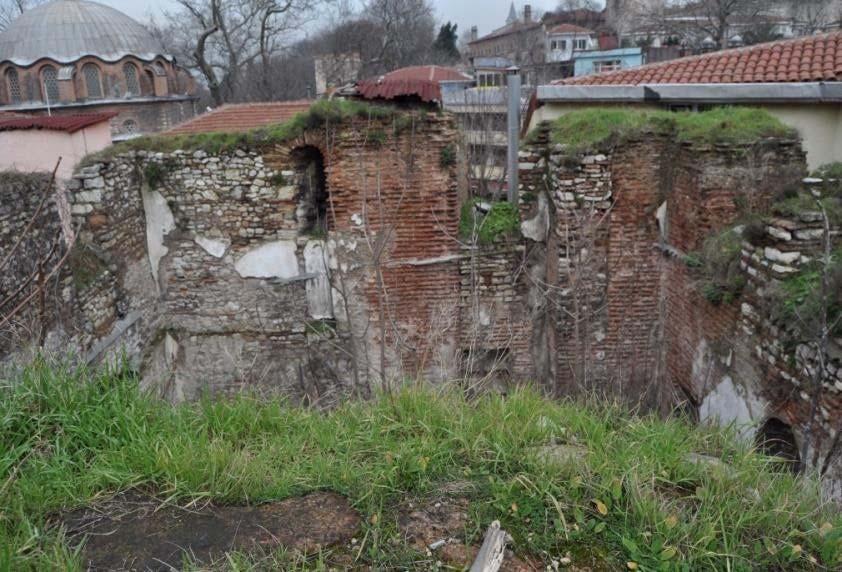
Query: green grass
[(501, 220), (799, 304), (70, 436), (321, 114), (589, 129)]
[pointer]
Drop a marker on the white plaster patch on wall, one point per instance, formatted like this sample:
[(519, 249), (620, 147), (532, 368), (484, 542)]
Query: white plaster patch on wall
[(730, 403), (215, 247), (661, 216), (159, 223), (537, 228), (271, 260), (318, 288)]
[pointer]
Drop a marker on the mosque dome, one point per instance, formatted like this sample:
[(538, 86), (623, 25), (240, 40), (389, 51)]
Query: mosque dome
[(67, 30)]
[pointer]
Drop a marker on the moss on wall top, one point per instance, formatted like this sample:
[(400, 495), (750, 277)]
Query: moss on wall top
[(589, 129), (322, 113)]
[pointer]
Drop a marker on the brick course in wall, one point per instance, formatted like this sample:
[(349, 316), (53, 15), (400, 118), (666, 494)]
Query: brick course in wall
[(202, 265)]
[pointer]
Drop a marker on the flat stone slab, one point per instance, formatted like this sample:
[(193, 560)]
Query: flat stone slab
[(132, 532)]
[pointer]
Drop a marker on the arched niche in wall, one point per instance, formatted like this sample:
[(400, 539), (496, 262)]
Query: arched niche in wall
[(776, 439), (313, 211)]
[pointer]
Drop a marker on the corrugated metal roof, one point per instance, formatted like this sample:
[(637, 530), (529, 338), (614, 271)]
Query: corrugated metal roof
[(65, 123), (240, 117), (420, 81), (66, 30)]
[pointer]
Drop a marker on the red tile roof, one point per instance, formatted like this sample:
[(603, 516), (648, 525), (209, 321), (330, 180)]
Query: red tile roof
[(65, 123), (809, 59), (420, 81), (569, 29), (239, 117)]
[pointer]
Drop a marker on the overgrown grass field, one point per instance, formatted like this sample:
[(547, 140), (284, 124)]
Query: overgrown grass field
[(634, 500)]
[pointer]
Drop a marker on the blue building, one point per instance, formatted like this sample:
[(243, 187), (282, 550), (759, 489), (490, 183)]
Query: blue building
[(596, 61)]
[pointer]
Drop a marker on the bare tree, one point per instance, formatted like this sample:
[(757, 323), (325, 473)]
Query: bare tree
[(813, 16), (570, 5), (222, 39), (11, 9), (714, 18), (407, 32)]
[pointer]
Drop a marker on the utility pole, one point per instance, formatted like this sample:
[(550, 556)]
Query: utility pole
[(513, 86)]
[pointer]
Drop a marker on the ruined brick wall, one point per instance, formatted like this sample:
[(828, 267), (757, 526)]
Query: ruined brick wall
[(217, 280), (711, 189), (600, 267), (393, 197), (627, 313)]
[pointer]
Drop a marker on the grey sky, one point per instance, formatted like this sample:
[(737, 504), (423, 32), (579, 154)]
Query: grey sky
[(487, 14)]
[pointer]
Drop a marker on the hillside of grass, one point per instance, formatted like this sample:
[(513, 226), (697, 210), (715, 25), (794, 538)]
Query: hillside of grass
[(633, 498), (588, 129)]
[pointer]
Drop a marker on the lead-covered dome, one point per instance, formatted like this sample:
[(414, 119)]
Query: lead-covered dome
[(66, 30)]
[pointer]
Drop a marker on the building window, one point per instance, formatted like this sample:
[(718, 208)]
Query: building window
[(13, 83), (49, 79), (581, 44), (607, 65), (132, 83), (92, 81), (130, 127)]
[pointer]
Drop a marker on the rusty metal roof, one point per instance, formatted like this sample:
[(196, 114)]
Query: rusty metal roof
[(420, 81), (65, 123)]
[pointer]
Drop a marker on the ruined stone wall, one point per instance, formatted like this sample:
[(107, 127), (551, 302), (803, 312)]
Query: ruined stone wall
[(496, 321), (32, 247), (214, 274)]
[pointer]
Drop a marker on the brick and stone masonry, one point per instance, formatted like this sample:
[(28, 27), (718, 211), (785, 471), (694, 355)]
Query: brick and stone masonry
[(331, 263)]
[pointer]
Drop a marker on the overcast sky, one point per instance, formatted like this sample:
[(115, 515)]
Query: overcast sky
[(487, 14)]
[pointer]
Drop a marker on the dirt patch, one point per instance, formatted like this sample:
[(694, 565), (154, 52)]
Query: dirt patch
[(131, 532), (440, 527)]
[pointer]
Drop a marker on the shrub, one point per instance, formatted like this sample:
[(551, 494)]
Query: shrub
[(501, 220), (798, 302), (720, 278), (155, 173), (754, 232), (447, 157), (806, 203)]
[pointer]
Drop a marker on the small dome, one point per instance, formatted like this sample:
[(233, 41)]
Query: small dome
[(66, 30)]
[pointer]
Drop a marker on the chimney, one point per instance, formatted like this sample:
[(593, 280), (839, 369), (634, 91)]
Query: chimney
[(474, 33), (527, 13)]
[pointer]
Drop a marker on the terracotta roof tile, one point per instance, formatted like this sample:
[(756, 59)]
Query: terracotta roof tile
[(239, 117), (569, 29), (814, 58)]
